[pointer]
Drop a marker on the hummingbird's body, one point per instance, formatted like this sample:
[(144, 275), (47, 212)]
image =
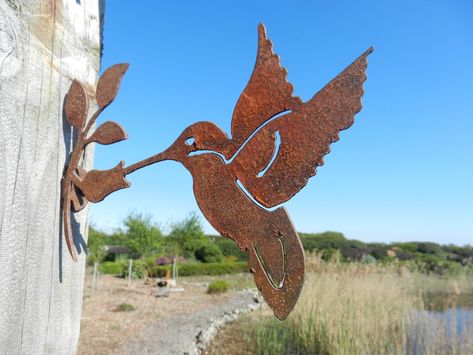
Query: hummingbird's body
[(268, 236), (214, 187)]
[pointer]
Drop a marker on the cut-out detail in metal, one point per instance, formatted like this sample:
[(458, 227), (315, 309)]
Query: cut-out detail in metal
[(269, 174)]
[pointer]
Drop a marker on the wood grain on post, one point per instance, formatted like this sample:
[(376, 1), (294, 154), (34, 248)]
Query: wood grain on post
[(44, 45)]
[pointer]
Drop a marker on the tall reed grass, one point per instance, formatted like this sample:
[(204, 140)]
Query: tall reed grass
[(362, 309)]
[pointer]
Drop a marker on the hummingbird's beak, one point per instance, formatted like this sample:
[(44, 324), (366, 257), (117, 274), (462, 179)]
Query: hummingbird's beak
[(171, 153)]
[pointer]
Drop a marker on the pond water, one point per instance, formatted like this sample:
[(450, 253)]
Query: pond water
[(444, 326)]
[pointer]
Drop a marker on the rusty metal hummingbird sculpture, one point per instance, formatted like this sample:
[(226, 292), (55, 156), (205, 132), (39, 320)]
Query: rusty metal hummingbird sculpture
[(236, 180)]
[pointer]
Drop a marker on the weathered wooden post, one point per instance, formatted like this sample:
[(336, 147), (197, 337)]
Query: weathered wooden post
[(43, 46)]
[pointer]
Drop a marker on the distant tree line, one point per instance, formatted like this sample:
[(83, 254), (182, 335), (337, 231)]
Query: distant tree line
[(142, 239), (425, 256)]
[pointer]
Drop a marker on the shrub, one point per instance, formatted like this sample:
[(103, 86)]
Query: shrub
[(208, 252), (353, 250), (410, 247), (325, 240), (111, 267), (427, 263), (230, 249), (218, 286), (196, 269), (403, 255), (368, 259), (429, 248), (138, 269), (95, 246), (464, 254), (199, 269), (124, 307), (328, 243)]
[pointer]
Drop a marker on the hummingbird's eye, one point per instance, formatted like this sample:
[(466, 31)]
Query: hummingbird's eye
[(190, 141)]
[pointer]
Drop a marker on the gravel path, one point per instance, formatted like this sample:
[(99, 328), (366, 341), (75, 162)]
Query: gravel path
[(177, 334)]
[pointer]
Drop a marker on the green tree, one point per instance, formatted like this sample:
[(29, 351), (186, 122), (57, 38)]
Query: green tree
[(208, 252), (187, 235), (229, 248), (95, 246), (114, 239), (141, 235), (327, 243)]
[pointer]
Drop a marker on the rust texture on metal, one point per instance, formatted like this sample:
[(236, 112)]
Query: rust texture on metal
[(78, 185), (237, 180)]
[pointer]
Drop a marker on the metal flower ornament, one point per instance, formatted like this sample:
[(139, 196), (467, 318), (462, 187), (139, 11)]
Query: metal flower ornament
[(277, 141)]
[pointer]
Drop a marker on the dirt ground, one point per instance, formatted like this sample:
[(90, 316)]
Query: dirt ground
[(106, 330)]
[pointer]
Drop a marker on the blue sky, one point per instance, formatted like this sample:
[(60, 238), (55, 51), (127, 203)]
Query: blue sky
[(403, 171)]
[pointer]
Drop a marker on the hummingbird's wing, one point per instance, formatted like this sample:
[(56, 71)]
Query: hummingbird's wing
[(305, 136), (266, 94)]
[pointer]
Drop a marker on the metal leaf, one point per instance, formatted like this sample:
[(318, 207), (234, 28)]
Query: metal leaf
[(108, 133), (76, 105), (109, 83)]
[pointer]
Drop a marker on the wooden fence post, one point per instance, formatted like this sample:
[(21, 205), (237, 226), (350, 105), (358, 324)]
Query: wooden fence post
[(44, 44), (94, 279), (130, 271), (174, 269)]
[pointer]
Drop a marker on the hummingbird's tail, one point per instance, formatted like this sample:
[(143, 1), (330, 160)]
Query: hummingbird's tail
[(277, 262)]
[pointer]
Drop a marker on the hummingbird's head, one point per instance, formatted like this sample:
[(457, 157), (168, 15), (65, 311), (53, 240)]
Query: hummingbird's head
[(200, 136)]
